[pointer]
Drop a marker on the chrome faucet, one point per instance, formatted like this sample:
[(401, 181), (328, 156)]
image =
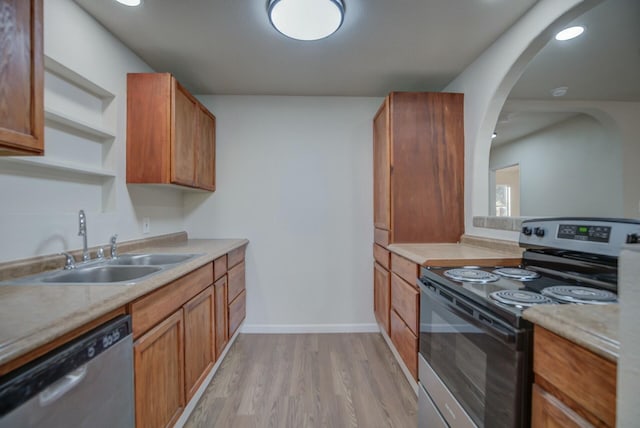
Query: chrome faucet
[(82, 231), (114, 246), (70, 263)]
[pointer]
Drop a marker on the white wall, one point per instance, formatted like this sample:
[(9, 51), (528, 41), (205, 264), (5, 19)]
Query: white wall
[(486, 84), (570, 169), (38, 213), (294, 176)]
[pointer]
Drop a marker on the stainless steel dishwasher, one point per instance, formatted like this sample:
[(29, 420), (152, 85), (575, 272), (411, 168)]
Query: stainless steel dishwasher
[(85, 383)]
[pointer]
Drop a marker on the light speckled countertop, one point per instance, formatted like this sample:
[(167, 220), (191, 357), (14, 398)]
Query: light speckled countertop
[(33, 315), (452, 255), (594, 327)]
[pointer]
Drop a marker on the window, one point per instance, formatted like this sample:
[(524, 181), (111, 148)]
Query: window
[(503, 200)]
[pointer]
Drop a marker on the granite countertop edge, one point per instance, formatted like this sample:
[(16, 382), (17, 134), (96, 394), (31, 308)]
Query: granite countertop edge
[(592, 327), (108, 297)]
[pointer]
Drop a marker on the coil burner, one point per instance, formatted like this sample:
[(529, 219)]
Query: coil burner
[(516, 273), (583, 295), (471, 275), (520, 298)]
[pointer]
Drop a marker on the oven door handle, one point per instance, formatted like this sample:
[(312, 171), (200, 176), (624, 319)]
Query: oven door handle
[(484, 321)]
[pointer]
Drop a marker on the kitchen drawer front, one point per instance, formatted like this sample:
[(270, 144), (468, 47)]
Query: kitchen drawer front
[(381, 237), (157, 305), (405, 269), (236, 281), (406, 343), (382, 256), (237, 312), (584, 377), (234, 257), (219, 267), (548, 411), (406, 301)]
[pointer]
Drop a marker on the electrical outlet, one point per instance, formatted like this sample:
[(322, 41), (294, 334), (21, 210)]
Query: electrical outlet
[(146, 224)]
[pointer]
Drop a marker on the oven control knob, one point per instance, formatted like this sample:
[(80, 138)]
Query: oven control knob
[(539, 232), (632, 238), (526, 230)]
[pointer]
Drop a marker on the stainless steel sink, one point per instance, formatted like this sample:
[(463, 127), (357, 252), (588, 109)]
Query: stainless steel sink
[(151, 259), (102, 274), (126, 269)]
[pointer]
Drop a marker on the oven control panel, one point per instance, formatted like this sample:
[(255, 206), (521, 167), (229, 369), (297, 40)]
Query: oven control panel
[(584, 232), (604, 236)]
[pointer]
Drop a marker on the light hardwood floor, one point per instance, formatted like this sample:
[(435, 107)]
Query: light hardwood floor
[(307, 380)]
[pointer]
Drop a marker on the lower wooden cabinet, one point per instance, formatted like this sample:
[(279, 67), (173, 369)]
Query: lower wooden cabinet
[(180, 330), (405, 311), (406, 343), (573, 386), (222, 316), (237, 312), (381, 296), (199, 350), (548, 411), (159, 374)]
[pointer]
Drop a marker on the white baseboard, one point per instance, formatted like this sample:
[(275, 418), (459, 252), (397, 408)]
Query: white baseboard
[(309, 328)]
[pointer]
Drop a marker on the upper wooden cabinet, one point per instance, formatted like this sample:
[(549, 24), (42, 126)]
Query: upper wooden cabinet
[(418, 152), (21, 78), (170, 135)]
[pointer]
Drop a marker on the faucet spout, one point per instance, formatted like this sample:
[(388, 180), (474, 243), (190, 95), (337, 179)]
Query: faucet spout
[(82, 231)]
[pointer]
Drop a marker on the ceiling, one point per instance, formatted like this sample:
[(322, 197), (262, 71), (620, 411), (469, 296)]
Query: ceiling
[(229, 46), (603, 64)]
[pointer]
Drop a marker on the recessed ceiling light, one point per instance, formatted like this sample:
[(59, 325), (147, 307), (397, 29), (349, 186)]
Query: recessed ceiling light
[(130, 2), (560, 91), (306, 19), (570, 33)]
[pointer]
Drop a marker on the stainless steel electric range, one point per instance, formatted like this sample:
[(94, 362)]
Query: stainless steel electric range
[(475, 360)]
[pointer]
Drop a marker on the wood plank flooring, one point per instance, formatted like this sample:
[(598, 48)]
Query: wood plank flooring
[(307, 380)]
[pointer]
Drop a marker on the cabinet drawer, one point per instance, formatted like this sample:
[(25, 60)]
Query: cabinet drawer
[(381, 255), (236, 256), (584, 377), (406, 343), (381, 237), (406, 301), (219, 267), (236, 281), (154, 307), (237, 312), (548, 411), (405, 269)]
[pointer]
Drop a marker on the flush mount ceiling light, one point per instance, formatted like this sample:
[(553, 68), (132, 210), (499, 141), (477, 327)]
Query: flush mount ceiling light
[(130, 2), (306, 19), (570, 33), (494, 135)]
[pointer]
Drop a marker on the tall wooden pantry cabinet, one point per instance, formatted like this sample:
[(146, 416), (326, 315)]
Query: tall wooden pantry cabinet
[(418, 197)]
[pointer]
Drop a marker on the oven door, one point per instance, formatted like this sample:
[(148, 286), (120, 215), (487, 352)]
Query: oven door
[(476, 359)]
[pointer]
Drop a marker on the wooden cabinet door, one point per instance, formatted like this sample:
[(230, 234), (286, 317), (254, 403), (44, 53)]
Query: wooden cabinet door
[(406, 343), (206, 151), (236, 281), (222, 315), (381, 296), (237, 312), (549, 412), (159, 374), (185, 110), (21, 78), (199, 350), (381, 169)]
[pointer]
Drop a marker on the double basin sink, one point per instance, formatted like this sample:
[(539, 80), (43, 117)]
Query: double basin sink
[(127, 268)]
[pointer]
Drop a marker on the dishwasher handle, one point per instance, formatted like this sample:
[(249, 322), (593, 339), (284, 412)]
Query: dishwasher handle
[(61, 387)]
